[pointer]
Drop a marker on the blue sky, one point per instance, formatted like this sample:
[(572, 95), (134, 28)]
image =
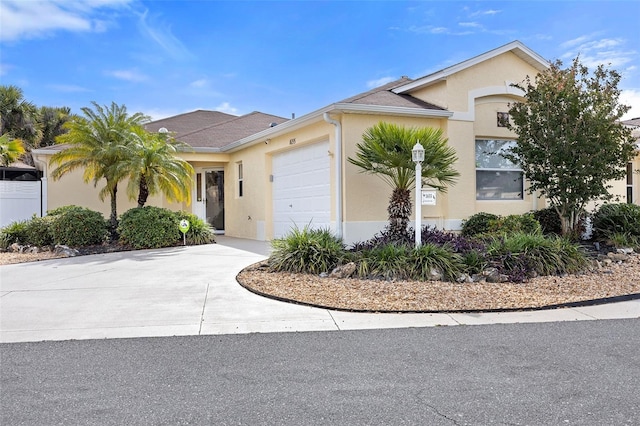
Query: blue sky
[(168, 57)]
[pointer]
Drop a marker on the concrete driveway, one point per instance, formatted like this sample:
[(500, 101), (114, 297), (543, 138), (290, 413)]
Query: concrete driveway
[(192, 291)]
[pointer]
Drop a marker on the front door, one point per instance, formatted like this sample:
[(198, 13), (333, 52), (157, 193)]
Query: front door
[(214, 198)]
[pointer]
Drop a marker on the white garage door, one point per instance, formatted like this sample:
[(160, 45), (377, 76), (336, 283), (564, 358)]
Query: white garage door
[(301, 189)]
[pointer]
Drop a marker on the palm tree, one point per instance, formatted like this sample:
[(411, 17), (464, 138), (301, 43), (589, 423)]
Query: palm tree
[(97, 143), (385, 151), (52, 120), (19, 118), (152, 167), (10, 150)]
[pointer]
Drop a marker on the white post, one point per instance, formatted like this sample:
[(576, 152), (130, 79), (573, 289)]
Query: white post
[(417, 155), (418, 234)]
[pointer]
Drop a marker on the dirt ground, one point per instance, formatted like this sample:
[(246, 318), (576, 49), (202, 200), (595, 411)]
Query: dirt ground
[(617, 279)]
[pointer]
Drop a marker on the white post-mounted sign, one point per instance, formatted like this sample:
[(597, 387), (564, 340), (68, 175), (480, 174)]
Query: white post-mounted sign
[(428, 197)]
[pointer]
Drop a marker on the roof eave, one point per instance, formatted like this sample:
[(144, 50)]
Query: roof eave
[(517, 47), (392, 110)]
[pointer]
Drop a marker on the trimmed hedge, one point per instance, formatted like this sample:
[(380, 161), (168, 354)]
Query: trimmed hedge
[(76, 226), (149, 227)]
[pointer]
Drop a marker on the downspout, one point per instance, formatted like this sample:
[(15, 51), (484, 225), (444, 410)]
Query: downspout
[(338, 159)]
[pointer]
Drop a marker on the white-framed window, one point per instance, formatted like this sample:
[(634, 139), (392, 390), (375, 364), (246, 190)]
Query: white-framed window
[(496, 177), (240, 180)]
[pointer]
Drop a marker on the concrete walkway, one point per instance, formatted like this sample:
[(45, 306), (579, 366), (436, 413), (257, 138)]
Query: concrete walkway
[(192, 291)]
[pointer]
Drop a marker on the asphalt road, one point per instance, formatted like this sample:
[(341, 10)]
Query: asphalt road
[(565, 373)]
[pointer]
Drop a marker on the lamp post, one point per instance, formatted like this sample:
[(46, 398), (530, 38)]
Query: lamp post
[(417, 154)]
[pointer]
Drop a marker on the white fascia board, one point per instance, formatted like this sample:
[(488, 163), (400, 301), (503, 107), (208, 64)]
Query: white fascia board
[(202, 150), (517, 47), (50, 150), (392, 110)]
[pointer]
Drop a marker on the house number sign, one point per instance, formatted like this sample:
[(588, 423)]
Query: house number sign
[(428, 198)]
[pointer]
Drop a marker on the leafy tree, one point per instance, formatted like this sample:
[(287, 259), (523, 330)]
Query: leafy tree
[(571, 144), (10, 150), (98, 143), (385, 151), (152, 166)]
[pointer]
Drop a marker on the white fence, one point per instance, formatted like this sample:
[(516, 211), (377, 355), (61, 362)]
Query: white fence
[(19, 200)]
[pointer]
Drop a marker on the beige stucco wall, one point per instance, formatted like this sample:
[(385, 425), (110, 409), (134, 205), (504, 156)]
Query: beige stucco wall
[(71, 189)]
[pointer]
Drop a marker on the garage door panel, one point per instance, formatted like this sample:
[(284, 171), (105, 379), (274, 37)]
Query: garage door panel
[(301, 189)]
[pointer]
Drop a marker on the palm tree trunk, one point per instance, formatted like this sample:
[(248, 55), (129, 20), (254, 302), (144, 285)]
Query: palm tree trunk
[(113, 221), (143, 192), (399, 211)]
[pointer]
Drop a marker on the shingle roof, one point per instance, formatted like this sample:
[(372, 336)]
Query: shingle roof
[(632, 122), (219, 135), (383, 96), (190, 121)]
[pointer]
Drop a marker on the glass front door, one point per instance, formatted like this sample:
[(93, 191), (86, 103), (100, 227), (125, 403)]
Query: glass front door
[(214, 198)]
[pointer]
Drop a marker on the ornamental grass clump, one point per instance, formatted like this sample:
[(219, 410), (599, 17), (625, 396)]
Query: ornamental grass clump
[(306, 250), (15, 232), (388, 262), (521, 255), (611, 219), (430, 259)]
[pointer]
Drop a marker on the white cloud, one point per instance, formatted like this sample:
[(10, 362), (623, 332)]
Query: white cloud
[(161, 35), (576, 41), (485, 12), (127, 75), (631, 97), (430, 29), (371, 84), (34, 19), (610, 52), (68, 88), (199, 84), (226, 107), (470, 24), (158, 114)]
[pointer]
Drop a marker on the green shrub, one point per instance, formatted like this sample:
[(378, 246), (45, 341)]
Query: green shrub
[(77, 226), (524, 223), (149, 227), (478, 224), (488, 224), (200, 232), (521, 254), (15, 232), (611, 219), (549, 220), (306, 250), (59, 210), (38, 231)]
